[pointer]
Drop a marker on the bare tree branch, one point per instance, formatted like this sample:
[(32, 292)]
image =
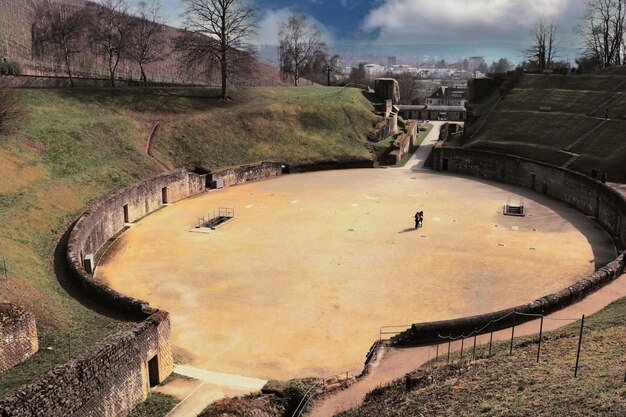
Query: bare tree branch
[(147, 39), (602, 28), (218, 33), (59, 28), (545, 43), (300, 46), (110, 31)]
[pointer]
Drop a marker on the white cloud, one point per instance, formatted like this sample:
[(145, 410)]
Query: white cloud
[(270, 22), (459, 20)]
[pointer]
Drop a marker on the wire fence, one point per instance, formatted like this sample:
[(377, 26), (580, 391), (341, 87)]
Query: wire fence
[(468, 347)]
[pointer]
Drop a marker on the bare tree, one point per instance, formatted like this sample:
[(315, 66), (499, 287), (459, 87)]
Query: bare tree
[(406, 83), (147, 38), (300, 46), (110, 31), (545, 42), (218, 32), (58, 28), (602, 28)]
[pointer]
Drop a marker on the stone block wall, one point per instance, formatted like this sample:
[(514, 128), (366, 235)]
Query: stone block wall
[(589, 196), (387, 89), (247, 173), (106, 218), (107, 380), (113, 376), (18, 335)]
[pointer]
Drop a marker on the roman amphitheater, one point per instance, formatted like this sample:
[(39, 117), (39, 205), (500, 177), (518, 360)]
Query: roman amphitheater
[(312, 260)]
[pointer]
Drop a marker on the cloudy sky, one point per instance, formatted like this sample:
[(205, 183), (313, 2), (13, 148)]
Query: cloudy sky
[(416, 21)]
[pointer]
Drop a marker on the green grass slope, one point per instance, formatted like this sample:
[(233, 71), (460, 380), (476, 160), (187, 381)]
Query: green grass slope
[(517, 385), (291, 125), (76, 146), (577, 102)]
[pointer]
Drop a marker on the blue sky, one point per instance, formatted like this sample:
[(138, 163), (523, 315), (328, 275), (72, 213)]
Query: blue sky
[(412, 22)]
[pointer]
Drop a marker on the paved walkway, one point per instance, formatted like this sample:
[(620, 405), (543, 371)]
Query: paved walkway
[(398, 362), (418, 159), (205, 388)]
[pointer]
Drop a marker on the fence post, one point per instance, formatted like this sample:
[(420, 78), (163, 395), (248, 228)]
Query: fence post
[(512, 332), (437, 355), (490, 341), (540, 334), (580, 341), (462, 341), (474, 350), (448, 352)]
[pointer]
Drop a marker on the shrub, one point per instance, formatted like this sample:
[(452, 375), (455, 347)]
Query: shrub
[(11, 108)]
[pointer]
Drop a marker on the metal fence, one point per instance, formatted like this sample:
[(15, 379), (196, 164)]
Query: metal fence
[(468, 348)]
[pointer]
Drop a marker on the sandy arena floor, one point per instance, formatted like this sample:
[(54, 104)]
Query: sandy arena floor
[(300, 282)]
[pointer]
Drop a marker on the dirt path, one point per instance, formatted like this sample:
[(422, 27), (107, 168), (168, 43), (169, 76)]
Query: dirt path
[(149, 145), (397, 362)]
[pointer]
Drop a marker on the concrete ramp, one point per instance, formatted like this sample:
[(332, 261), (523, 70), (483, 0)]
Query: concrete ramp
[(220, 379)]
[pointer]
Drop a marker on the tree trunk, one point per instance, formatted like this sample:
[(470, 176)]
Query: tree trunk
[(144, 79), (224, 71), (111, 70), (68, 67)]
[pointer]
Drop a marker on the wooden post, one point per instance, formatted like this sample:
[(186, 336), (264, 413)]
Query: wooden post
[(437, 356), (580, 341), (512, 333), (448, 352), (462, 341), (474, 350), (490, 341), (540, 336)]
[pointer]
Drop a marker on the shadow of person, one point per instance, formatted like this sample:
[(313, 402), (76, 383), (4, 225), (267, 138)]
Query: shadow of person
[(408, 230)]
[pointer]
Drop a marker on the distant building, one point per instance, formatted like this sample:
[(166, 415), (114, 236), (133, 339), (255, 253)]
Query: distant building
[(448, 96), (428, 112), (374, 69), (391, 61)]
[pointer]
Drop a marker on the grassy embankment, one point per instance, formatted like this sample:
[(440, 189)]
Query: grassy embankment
[(518, 386), (577, 102), (78, 145)]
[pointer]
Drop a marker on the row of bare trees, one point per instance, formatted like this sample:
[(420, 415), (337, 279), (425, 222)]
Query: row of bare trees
[(602, 29), (109, 28)]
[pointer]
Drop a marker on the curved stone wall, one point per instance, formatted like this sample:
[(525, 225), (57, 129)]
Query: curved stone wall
[(110, 378), (18, 335), (589, 196)]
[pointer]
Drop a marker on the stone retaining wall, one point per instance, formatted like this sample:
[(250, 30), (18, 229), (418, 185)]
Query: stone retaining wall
[(107, 380), (113, 376), (585, 194), (106, 218), (247, 173), (18, 335)]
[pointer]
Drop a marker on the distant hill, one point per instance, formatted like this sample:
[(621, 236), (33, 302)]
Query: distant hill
[(16, 42)]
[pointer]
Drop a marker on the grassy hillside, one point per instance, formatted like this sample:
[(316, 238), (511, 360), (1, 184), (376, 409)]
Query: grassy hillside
[(573, 126), (294, 125), (78, 145), (518, 386)]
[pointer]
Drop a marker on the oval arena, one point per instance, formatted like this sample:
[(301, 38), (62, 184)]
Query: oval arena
[(299, 283)]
